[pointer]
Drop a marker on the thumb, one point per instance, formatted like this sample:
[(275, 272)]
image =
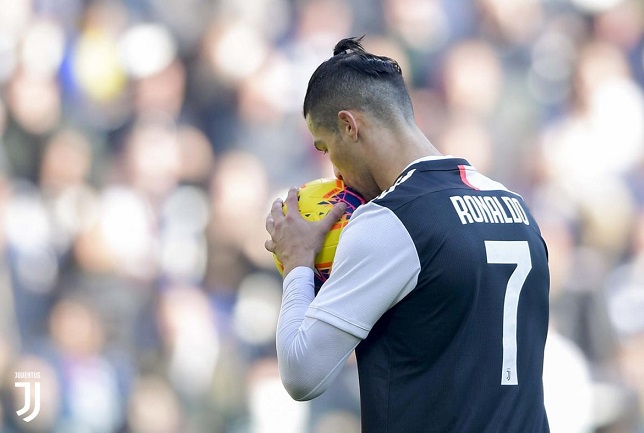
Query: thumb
[(333, 216)]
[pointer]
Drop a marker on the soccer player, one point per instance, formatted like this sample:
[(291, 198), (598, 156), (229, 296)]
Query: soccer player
[(440, 281)]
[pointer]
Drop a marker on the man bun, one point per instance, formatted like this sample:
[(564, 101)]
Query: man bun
[(349, 45)]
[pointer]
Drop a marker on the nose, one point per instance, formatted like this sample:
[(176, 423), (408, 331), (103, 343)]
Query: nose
[(337, 173)]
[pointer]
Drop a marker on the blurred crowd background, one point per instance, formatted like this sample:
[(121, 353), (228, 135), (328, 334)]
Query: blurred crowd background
[(142, 142)]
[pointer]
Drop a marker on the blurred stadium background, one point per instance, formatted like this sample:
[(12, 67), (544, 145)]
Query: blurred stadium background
[(142, 141)]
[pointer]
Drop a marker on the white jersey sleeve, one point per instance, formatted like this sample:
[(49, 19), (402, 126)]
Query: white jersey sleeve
[(310, 353), (375, 266)]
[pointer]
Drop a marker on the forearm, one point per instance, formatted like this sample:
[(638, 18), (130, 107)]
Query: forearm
[(310, 352)]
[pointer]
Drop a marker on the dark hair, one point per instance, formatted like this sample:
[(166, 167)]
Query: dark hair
[(356, 79)]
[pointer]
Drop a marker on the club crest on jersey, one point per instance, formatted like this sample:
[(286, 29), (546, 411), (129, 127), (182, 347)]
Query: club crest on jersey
[(489, 209)]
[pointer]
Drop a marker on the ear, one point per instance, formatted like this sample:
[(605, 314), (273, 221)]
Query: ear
[(348, 124)]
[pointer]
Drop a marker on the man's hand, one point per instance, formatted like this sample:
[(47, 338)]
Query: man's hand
[(294, 240)]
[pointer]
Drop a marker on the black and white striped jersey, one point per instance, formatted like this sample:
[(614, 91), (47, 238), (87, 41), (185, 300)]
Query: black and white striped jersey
[(445, 279)]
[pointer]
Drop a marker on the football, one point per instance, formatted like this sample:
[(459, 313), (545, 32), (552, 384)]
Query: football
[(315, 199)]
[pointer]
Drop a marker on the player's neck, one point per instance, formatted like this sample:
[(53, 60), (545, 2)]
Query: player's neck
[(397, 152)]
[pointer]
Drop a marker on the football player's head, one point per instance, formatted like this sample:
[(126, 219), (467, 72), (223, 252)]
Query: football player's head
[(354, 79)]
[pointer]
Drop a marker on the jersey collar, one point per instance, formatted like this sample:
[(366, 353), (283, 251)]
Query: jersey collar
[(427, 158), (443, 162)]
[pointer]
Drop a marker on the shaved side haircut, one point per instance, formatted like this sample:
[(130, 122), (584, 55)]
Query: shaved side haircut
[(356, 79)]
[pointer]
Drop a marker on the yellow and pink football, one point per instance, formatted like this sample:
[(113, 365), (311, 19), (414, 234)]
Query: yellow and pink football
[(315, 199)]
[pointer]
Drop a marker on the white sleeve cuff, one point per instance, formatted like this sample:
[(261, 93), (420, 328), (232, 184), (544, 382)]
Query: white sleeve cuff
[(302, 275)]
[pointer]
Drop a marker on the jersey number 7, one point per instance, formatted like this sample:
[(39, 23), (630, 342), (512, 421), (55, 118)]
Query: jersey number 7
[(518, 253)]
